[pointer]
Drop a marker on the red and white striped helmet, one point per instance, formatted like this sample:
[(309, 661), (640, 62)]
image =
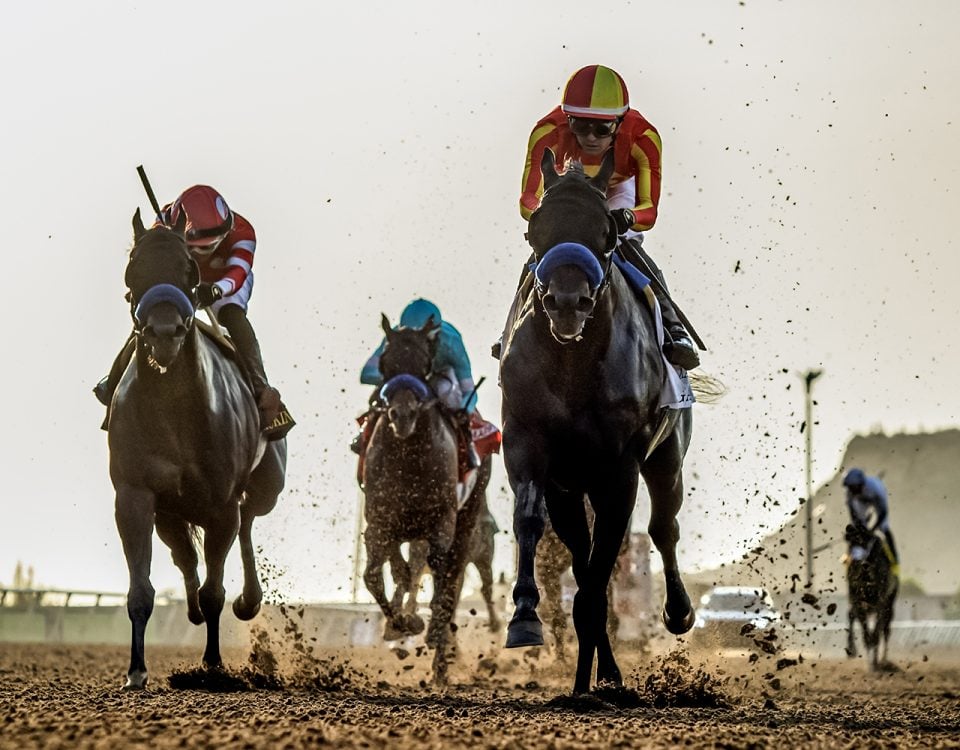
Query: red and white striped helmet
[(209, 218)]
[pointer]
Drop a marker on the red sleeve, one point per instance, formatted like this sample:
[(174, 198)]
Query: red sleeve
[(645, 156), (236, 253), (543, 136)]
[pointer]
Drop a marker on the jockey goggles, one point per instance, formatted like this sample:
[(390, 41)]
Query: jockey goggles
[(584, 126), (208, 246)]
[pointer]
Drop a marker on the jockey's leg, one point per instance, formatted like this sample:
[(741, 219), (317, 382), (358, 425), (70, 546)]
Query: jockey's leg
[(274, 418), (105, 388), (523, 288), (893, 547), (679, 348)]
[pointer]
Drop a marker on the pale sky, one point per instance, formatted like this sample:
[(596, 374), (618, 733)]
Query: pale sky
[(378, 147)]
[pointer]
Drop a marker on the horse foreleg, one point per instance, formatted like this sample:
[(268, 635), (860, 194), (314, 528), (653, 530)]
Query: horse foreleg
[(851, 643), (217, 540), (569, 520), (608, 533), (134, 511), (529, 519), (373, 573), (177, 535), (407, 575), (661, 472)]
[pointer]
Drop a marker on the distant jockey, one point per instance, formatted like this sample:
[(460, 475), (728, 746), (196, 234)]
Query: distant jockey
[(452, 380), (868, 506), (222, 242), (594, 116)]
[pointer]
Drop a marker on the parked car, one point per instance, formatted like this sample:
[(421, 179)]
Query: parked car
[(736, 616)]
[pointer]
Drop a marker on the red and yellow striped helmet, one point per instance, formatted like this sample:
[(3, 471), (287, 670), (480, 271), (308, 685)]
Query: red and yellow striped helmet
[(596, 92)]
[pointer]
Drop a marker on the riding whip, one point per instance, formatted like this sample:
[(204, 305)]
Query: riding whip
[(150, 195)]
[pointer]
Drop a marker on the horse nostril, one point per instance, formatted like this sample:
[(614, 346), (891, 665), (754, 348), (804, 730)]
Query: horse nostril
[(550, 303), (584, 304)]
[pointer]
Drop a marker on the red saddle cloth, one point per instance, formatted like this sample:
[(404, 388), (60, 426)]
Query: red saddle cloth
[(486, 436)]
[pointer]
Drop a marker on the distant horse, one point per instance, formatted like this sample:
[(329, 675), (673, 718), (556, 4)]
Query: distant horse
[(872, 590), (410, 484), (581, 374), (185, 447), (480, 553)]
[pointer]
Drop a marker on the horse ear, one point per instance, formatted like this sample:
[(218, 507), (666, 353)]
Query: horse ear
[(601, 180), (385, 324), (181, 226), (138, 228), (548, 168)]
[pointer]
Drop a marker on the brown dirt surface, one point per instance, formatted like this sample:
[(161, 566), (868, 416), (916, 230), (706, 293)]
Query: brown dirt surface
[(68, 696)]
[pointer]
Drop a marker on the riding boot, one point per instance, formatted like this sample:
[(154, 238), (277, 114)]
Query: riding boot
[(893, 547), (523, 288), (677, 347), (105, 388), (275, 420)]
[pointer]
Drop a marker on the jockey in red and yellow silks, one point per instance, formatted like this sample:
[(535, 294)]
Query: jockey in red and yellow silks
[(636, 162), (594, 116)]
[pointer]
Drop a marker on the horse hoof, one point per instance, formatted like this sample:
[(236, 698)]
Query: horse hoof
[(521, 633), (195, 616), (678, 626), (136, 680), (402, 626), (243, 611)]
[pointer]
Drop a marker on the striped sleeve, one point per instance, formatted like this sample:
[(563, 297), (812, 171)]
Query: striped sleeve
[(645, 152), (241, 245), (543, 136)]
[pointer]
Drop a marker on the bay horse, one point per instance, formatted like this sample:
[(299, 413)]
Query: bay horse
[(872, 588), (410, 478), (581, 374), (186, 452)]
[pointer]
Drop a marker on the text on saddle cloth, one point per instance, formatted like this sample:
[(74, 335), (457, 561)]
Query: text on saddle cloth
[(676, 392)]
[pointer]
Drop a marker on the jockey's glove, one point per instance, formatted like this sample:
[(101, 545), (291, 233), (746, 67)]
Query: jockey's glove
[(207, 294), (624, 219)]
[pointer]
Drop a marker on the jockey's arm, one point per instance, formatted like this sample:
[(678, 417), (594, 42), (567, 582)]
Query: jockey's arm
[(542, 137), (645, 153), (370, 374)]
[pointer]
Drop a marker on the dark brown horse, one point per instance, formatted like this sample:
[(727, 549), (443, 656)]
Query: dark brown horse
[(410, 489), (872, 587), (581, 374), (186, 451)]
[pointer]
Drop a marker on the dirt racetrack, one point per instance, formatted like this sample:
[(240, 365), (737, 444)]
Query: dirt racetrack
[(60, 696)]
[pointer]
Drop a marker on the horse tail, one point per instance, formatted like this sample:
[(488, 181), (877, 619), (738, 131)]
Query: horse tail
[(706, 388)]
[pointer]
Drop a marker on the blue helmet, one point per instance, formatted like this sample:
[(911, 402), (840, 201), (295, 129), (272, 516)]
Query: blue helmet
[(854, 478), (418, 312)]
